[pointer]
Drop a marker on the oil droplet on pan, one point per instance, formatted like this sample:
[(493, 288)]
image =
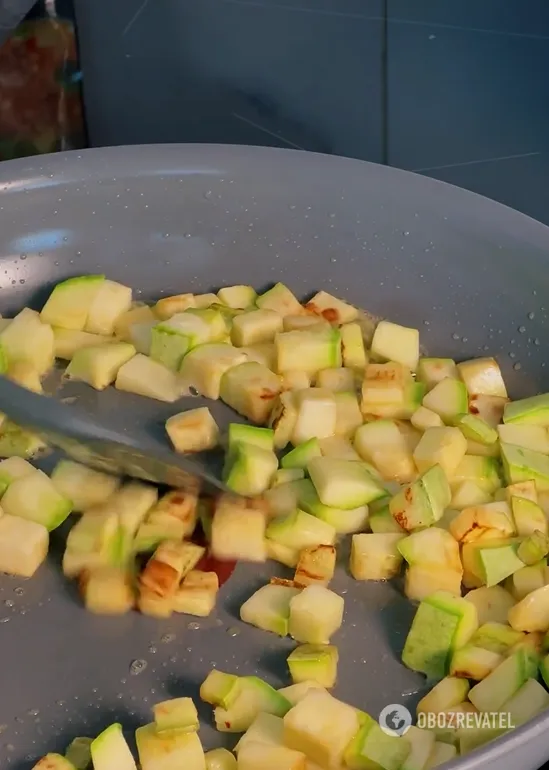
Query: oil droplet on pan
[(138, 666)]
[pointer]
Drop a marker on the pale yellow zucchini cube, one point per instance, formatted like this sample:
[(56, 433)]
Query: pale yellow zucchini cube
[(193, 431)]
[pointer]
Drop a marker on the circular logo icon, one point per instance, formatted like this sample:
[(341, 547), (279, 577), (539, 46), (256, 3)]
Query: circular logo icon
[(395, 719)]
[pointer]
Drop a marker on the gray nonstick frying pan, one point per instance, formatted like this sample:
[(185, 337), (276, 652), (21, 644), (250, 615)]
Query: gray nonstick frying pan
[(470, 273)]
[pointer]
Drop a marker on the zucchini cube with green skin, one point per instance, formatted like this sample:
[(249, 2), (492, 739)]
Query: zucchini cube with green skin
[(78, 753), (17, 442), (520, 464), (475, 429), (526, 703), (253, 696), (372, 747), (286, 475), (172, 339), (492, 604), (54, 762), (300, 530), (240, 433), (375, 556), (13, 468), (342, 483), (343, 521), (35, 498), (251, 390), (431, 371), (70, 301), (109, 303), (353, 350), (446, 694), (282, 553), (442, 624), (348, 415), (284, 498), (382, 444), (193, 431), (250, 470), (331, 308), (491, 520), (239, 297), (421, 747), (423, 502), (204, 366), (475, 663), (534, 437), (110, 750), (302, 454), (98, 366), (532, 612), (269, 608), (220, 759), (424, 418), (448, 399), (219, 326), (218, 688), (255, 326), (483, 471), (432, 546), (533, 548), (23, 545), (482, 376), (83, 486), (308, 350), (316, 613), (168, 751), (440, 446), (528, 411), (497, 637), (137, 313), (314, 662), (383, 522), (167, 307), (492, 560), (392, 342), (283, 419), (29, 340), (176, 714), (495, 690), (321, 727), (280, 299), (140, 335), (295, 693)]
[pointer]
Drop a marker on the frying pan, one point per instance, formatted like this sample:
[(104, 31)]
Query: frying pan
[(469, 273)]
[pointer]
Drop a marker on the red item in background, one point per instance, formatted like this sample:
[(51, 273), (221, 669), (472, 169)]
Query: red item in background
[(40, 95)]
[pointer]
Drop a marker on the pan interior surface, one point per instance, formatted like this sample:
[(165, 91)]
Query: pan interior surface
[(469, 273)]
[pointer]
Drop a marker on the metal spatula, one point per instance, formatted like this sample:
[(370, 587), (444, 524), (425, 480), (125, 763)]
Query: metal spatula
[(138, 453)]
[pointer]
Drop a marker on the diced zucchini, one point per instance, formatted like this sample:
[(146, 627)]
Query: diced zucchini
[(492, 560), (176, 714), (220, 759), (423, 502), (78, 753), (167, 307), (353, 350), (475, 429), (524, 489), (257, 756), (442, 624), (140, 335), (482, 376), (13, 468), (533, 437), (107, 591), (284, 498), (110, 750), (83, 486), (348, 414), (533, 548), (287, 475), (392, 342), (433, 546), (266, 729), (68, 341), (151, 604), (296, 380), (293, 323), (494, 690), (441, 754), (165, 569), (332, 309), (16, 442), (35, 498), (421, 580), (528, 579), (316, 613), (197, 593), (316, 565), (343, 521), (109, 303), (492, 519), (23, 374), (249, 470), (431, 371), (240, 433), (337, 380), (446, 694), (468, 494), (472, 662), (321, 727), (283, 419), (239, 297), (448, 399), (528, 517), (339, 447), (373, 747), (280, 299), (302, 454), (492, 604), (168, 750), (483, 450), (314, 662), (218, 688), (172, 339), (263, 353), (421, 748), (532, 612), (484, 471), (251, 390), (384, 385), (498, 637), (70, 301), (383, 522), (342, 483), (375, 556), (316, 415), (520, 464), (300, 530), (308, 350), (424, 418), (382, 444), (98, 366), (255, 326), (238, 531), (23, 545), (269, 608), (193, 431), (528, 411), (440, 446), (30, 340), (205, 365), (526, 703), (205, 300), (137, 314), (54, 762)]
